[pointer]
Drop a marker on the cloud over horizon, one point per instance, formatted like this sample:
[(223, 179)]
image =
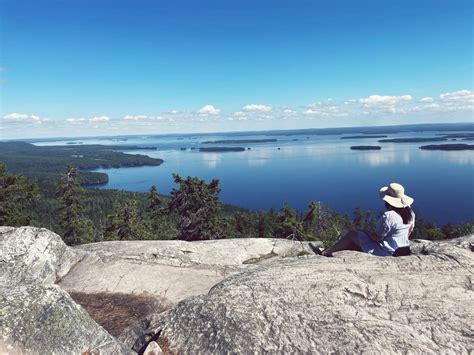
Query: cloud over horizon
[(209, 110), (256, 107), (373, 109)]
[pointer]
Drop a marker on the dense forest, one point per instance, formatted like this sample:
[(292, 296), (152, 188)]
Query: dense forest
[(47, 162), (191, 212)]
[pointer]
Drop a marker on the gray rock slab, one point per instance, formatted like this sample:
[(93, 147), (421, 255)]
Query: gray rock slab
[(172, 270), (37, 316), (351, 303)]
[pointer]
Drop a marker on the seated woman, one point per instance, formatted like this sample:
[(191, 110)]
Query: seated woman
[(391, 236)]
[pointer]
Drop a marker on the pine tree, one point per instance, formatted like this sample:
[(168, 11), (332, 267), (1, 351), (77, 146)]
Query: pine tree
[(16, 194), (154, 201), (76, 229), (310, 217), (288, 226), (196, 205), (126, 223), (262, 228)]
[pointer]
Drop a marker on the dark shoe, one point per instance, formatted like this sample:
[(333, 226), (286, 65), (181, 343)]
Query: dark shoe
[(315, 249)]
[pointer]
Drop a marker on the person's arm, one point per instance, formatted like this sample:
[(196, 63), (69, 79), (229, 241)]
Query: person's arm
[(412, 226), (382, 229)]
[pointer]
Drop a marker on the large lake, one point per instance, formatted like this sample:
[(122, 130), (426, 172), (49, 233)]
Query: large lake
[(305, 168)]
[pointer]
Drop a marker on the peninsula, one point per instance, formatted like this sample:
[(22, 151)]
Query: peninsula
[(49, 162)]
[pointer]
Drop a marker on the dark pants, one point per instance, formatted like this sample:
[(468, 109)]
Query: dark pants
[(403, 251)]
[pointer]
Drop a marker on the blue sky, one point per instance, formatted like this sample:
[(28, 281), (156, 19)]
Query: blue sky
[(83, 67)]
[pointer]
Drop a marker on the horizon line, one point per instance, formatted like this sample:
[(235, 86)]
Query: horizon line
[(243, 131)]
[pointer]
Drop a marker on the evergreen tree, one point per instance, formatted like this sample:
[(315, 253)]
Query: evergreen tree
[(359, 220), (310, 217), (154, 201), (16, 194), (261, 224), (126, 223), (288, 226), (196, 205), (75, 228)]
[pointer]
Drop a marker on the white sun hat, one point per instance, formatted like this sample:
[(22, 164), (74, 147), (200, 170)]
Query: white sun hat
[(394, 195)]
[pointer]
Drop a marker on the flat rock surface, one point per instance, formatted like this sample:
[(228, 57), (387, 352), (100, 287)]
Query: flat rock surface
[(172, 270), (37, 316), (351, 303)]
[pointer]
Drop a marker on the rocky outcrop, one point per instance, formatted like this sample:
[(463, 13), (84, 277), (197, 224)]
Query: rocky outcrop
[(37, 316), (171, 270), (232, 296), (351, 303)]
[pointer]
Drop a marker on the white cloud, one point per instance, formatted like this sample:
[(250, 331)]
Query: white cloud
[(142, 118), (209, 110), (395, 110), (99, 119), (259, 108), (75, 120), (427, 99), (381, 100), (460, 95), (22, 117), (428, 107), (240, 114), (311, 111)]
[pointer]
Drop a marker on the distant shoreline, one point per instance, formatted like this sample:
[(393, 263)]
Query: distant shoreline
[(240, 141), (389, 129)]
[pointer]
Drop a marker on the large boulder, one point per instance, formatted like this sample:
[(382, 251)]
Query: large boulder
[(37, 316), (171, 270), (351, 303)]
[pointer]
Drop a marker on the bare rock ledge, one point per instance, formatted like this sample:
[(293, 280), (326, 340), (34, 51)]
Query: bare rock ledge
[(236, 296)]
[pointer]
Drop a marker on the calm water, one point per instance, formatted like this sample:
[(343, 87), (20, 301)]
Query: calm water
[(320, 168)]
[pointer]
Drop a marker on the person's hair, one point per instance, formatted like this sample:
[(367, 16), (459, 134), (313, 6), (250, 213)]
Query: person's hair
[(405, 212)]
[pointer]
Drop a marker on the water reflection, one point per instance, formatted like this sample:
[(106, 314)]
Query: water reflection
[(211, 160), (381, 158), (458, 158)]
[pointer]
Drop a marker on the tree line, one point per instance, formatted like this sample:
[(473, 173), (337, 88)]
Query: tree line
[(192, 211)]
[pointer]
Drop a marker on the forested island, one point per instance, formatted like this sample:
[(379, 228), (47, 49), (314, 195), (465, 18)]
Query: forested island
[(48, 162), (221, 149), (448, 147), (413, 140), (364, 137), (366, 147), (240, 141)]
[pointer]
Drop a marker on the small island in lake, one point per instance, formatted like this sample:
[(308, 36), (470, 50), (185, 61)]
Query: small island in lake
[(240, 141), (364, 136), (448, 147), (366, 147), (413, 140), (222, 149)]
